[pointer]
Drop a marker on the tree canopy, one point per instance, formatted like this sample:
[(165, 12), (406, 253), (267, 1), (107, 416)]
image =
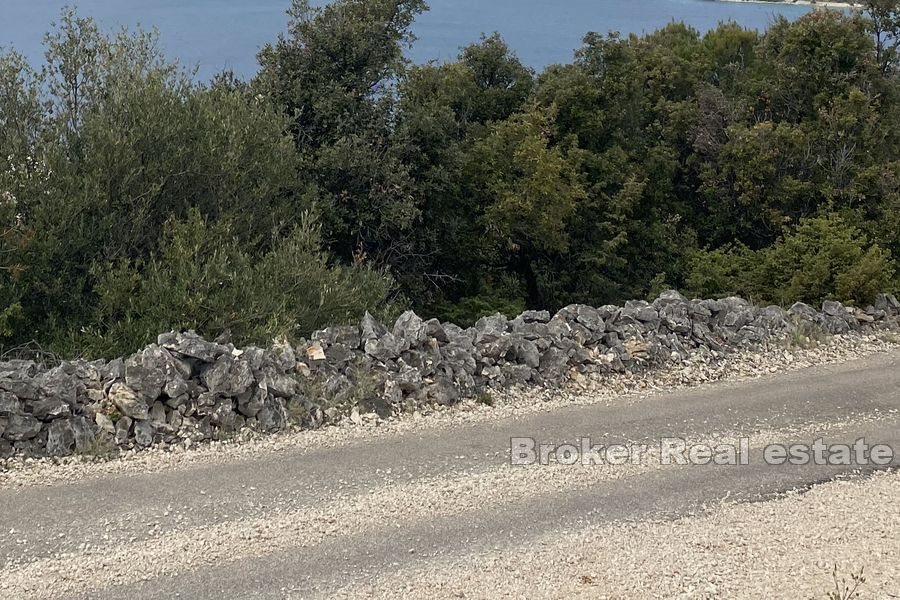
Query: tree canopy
[(342, 178)]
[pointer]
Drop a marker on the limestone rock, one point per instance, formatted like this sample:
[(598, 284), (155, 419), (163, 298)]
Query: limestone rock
[(60, 438), (228, 376), (143, 433), (411, 328), (191, 345), (10, 405), (370, 328), (48, 410), (128, 403), (21, 427)]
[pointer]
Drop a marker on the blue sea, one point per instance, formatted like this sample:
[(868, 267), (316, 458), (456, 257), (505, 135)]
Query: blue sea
[(213, 35)]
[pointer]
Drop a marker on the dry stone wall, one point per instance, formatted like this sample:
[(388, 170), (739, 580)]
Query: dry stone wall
[(185, 389)]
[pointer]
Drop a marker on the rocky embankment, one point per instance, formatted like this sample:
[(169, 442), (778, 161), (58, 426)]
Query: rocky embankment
[(184, 389)]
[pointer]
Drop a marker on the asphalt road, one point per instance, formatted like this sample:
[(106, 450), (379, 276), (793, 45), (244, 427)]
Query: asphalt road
[(309, 522)]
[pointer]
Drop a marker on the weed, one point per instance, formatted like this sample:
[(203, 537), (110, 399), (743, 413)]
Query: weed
[(297, 412), (100, 446), (362, 383), (846, 590), (485, 398), (889, 337), (805, 335)]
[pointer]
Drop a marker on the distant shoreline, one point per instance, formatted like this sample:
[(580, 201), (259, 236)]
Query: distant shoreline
[(821, 4)]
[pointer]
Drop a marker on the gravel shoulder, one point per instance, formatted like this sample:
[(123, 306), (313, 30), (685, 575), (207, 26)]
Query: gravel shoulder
[(783, 548)]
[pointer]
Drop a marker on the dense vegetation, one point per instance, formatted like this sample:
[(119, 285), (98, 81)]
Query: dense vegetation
[(341, 178)]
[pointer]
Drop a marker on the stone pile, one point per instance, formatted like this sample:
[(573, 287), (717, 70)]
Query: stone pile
[(184, 389)]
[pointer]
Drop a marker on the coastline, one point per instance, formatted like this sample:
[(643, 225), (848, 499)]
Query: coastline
[(812, 3)]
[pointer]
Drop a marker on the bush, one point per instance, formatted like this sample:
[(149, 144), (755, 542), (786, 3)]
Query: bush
[(721, 272), (826, 258), (822, 258), (203, 279), (143, 145), (504, 294)]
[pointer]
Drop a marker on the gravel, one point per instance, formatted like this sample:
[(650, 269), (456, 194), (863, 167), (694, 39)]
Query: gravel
[(786, 548), (288, 528)]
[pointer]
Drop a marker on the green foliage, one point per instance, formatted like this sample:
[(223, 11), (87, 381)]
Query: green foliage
[(822, 258), (505, 296), (110, 143), (485, 398), (132, 143), (885, 25), (721, 272), (444, 111), (825, 257), (204, 279), (134, 200), (100, 447), (333, 77), (530, 186), (805, 335), (10, 317), (809, 62)]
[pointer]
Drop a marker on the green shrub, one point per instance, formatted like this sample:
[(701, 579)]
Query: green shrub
[(721, 272), (504, 295), (108, 144), (822, 258), (825, 258), (203, 279)]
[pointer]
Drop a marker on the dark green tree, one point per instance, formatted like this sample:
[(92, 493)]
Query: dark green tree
[(334, 76)]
